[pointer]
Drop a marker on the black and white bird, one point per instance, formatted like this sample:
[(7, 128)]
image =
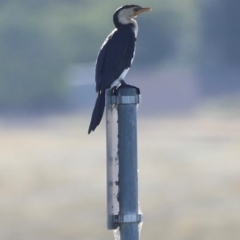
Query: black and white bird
[(115, 56)]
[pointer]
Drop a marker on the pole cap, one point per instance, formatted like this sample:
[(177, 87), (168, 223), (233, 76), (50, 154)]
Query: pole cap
[(124, 96)]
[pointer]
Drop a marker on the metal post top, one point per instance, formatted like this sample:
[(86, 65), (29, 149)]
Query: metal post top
[(124, 96)]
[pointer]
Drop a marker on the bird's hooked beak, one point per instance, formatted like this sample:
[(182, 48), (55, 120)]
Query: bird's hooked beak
[(141, 10)]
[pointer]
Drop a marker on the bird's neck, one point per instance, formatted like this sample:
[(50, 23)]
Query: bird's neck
[(135, 26), (127, 22)]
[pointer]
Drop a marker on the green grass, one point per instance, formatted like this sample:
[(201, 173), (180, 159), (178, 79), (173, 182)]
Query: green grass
[(52, 177)]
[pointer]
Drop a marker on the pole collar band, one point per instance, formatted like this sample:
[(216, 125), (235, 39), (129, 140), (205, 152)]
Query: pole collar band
[(128, 218), (124, 99)]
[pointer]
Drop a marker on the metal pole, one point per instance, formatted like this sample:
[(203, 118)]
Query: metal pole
[(125, 162), (128, 177), (112, 161)]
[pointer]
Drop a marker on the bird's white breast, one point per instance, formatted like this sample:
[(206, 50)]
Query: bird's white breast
[(117, 82)]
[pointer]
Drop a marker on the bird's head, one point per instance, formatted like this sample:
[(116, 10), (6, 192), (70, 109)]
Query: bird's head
[(125, 14)]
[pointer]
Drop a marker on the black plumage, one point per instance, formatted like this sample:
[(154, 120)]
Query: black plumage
[(115, 57)]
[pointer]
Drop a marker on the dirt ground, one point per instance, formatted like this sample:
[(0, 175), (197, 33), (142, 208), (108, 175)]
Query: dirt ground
[(52, 177)]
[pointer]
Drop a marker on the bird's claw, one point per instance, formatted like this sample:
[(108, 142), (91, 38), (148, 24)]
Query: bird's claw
[(125, 85), (115, 89)]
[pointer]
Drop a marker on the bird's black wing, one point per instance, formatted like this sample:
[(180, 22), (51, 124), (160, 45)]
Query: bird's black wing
[(114, 57)]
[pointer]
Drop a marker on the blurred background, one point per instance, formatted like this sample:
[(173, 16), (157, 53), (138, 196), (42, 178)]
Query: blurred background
[(52, 174)]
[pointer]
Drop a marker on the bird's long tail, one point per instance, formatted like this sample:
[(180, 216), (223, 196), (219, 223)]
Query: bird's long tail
[(97, 112)]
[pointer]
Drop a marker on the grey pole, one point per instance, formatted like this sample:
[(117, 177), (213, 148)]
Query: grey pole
[(112, 161), (128, 177), (124, 179)]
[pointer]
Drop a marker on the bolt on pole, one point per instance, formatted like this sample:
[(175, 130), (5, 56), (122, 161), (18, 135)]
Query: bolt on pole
[(122, 167)]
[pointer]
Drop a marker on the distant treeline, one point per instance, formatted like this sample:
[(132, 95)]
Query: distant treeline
[(40, 38)]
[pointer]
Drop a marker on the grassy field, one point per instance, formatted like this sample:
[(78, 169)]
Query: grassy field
[(52, 177)]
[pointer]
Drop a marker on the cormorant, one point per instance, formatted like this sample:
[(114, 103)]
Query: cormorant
[(115, 57)]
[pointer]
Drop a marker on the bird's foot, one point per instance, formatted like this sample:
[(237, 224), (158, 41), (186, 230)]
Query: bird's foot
[(125, 85), (114, 91)]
